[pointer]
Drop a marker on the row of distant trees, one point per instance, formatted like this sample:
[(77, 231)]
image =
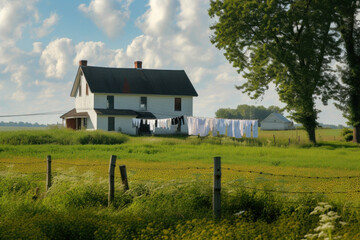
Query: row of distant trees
[(245, 111), (20, 124)]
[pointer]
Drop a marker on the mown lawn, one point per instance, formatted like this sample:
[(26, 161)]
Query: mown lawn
[(170, 187)]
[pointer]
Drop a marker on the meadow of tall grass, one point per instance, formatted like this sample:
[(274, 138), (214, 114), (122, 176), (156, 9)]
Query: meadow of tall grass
[(60, 136), (170, 194), (75, 208)]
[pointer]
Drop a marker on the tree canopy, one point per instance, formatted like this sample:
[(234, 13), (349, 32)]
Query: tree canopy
[(247, 112), (290, 43), (349, 91)]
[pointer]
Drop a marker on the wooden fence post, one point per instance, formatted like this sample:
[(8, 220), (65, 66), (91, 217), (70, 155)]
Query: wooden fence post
[(111, 179), (217, 188), (124, 177), (274, 139), (48, 173)]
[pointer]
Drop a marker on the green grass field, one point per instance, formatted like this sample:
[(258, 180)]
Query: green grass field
[(170, 186), (3, 128)]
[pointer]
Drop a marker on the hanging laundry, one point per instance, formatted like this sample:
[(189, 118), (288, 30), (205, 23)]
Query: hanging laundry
[(237, 130), (136, 122), (203, 127), (151, 123), (255, 128), (221, 126), (229, 124)]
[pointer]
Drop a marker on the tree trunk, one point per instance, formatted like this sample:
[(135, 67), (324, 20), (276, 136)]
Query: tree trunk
[(356, 134), (311, 133)]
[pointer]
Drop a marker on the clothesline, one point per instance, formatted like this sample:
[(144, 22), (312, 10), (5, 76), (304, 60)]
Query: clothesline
[(230, 127), (237, 128)]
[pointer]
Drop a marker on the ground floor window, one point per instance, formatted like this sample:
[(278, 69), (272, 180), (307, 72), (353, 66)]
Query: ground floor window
[(177, 104), (111, 124)]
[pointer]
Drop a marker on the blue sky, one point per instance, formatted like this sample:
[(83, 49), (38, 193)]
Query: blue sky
[(41, 42)]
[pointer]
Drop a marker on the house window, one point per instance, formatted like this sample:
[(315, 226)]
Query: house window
[(143, 103), (177, 104), (111, 124), (80, 89), (87, 89), (110, 102)]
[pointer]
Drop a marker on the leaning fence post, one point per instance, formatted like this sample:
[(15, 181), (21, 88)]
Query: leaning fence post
[(274, 139), (111, 179), (217, 188), (48, 173), (124, 177)]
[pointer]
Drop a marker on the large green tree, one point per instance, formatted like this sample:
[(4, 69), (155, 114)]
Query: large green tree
[(247, 112), (290, 43), (349, 97)]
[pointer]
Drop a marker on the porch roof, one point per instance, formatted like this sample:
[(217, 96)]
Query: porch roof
[(74, 114)]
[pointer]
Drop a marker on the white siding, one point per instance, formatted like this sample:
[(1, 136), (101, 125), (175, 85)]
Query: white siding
[(160, 106), (84, 102), (92, 120), (122, 123), (156, 104), (102, 123)]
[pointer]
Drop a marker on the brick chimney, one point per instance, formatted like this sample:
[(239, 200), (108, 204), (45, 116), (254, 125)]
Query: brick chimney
[(138, 64), (83, 63)]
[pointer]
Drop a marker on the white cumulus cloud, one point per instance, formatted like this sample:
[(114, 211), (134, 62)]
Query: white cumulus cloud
[(47, 26), (15, 15), (57, 57), (110, 16)]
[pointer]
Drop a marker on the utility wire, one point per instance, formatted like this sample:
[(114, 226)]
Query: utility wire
[(33, 114)]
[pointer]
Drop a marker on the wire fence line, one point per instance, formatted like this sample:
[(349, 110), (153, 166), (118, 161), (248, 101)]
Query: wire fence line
[(204, 168), (195, 168), (81, 165), (289, 175), (301, 192), (199, 168), (25, 163)]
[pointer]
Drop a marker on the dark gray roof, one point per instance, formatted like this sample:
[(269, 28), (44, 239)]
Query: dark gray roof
[(278, 116), (138, 81), (74, 114), (112, 112), (124, 112)]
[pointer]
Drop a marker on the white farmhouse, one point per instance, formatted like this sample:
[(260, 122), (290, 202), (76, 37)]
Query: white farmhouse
[(276, 121), (108, 98)]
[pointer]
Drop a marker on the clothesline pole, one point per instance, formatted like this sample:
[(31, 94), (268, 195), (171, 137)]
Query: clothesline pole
[(217, 188)]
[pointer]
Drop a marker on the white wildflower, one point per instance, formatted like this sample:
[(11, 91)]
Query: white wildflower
[(239, 213), (327, 220)]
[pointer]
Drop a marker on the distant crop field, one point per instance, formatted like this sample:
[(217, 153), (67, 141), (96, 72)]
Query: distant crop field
[(300, 136), (3, 128)]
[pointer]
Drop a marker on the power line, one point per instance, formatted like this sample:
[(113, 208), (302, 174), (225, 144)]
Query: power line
[(33, 114)]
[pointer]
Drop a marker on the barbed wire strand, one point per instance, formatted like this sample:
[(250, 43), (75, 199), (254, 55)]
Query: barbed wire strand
[(80, 165), (288, 175), (301, 192), (23, 162)]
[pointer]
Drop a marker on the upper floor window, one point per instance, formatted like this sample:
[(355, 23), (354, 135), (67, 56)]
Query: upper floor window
[(143, 103), (110, 102), (177, 104), (80, 89), (87, 89)]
